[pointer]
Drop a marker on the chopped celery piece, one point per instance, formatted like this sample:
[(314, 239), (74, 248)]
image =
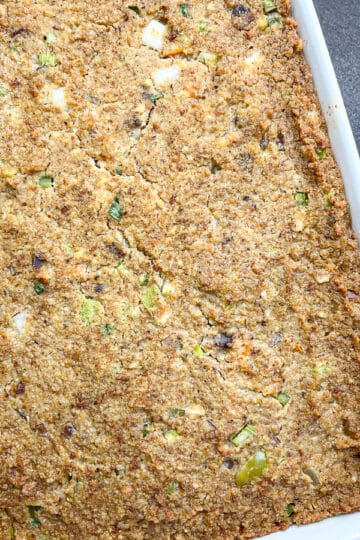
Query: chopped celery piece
[(178, 412), (282, 398), (11, 533), (47, 58), (171, 487), (322, 370), (321, 152), (149, 297), (90, 310), (171, 435), (115, 210), (253, 469), (203, 27), (301, 199), (274, 18), (135, 9), (243, 435), (69, 250), (326, 198), (184, 8), (208, 58), (269, 5), (46, 182), (33, 513), (4, 92), (39, 287), (198, 352), (290, 509), (155, 97)]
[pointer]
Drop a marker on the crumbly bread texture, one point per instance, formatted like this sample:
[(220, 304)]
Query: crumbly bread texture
[(177, 264)]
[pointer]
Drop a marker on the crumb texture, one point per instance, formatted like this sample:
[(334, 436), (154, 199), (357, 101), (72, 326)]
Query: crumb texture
[(180, 290)]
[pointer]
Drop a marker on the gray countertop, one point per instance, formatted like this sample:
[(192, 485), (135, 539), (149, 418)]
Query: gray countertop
[(340, 21)]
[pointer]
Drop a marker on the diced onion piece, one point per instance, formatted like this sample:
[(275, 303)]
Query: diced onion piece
[(208, 58), (194, 411), (323, 277), (51, 37), (168, 289), (166, 75), (153, 35), (19, 321), (57, 96), (253, 59)]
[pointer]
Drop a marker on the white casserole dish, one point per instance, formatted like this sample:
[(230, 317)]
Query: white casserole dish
[(345, 527)]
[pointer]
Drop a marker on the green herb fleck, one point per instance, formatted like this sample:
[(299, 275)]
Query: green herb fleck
[(155, 97), (46, 182), (301, 199), (90, 310), (274, 18), (171, 435), (327, 198), (135, 9), (107, 329), (243, 435), (290, 509), (321, 152), (39, 287), (178, 412), (184, 8), (146, 428), (145, 281), (149, 296), (33, 513), (198, 352), (253, 469), (47, 58), (281, 460), (171, 487), (269, 5), (322, 371), (282, 398), (4, 92), (118, 171), (11, 533), (115, 210), (203, 27)]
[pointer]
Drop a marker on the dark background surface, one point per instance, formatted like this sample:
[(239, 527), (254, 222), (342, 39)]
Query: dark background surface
[(340, 21)]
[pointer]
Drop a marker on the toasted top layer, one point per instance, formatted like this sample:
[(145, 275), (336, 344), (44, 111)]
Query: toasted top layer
[(180, 293)]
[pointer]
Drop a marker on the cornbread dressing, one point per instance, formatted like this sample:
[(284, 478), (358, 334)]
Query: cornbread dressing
[(180, 290)]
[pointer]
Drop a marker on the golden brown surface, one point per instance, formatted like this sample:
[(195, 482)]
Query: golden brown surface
[(211, 288)]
